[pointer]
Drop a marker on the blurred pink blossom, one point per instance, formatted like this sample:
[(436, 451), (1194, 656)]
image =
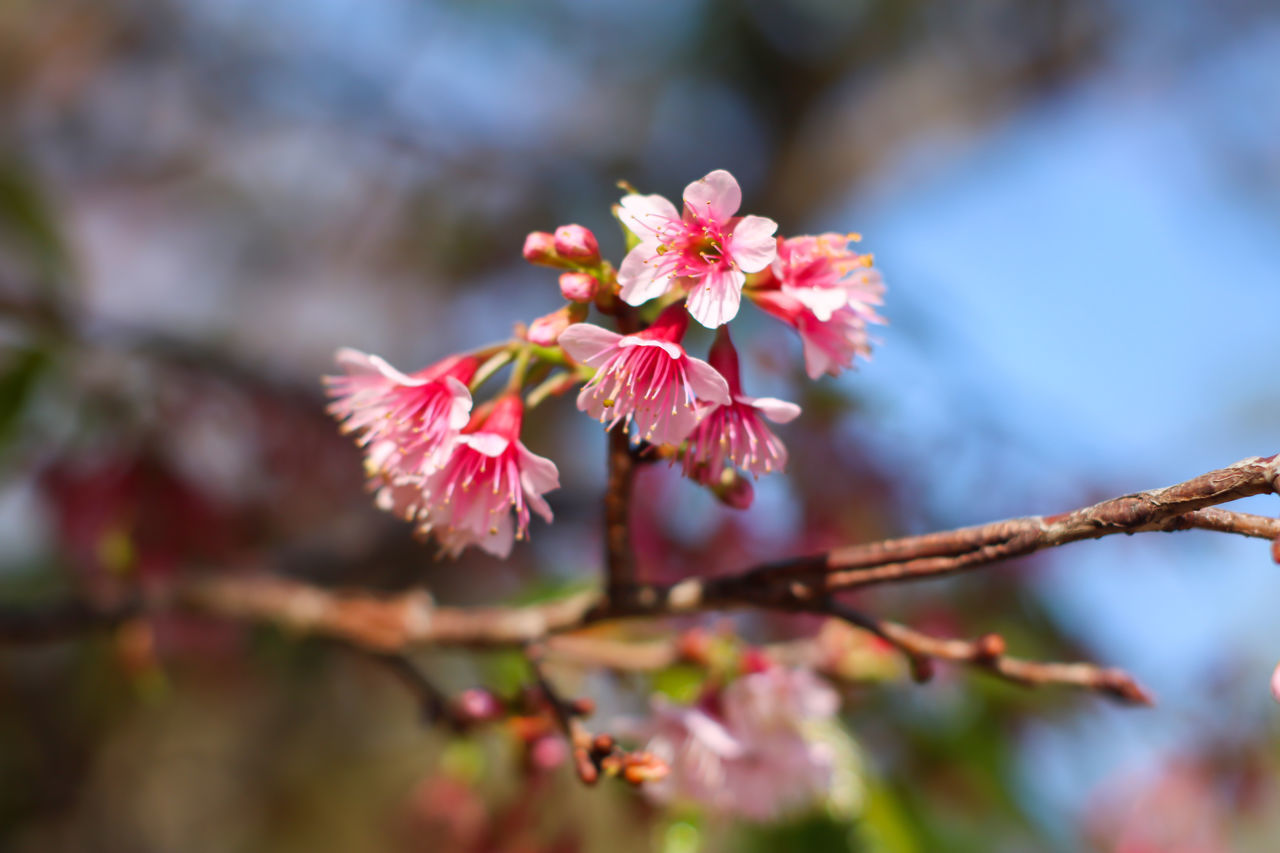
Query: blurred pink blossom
[(745, 750), (827, 293), (707, 248), (646, 377)]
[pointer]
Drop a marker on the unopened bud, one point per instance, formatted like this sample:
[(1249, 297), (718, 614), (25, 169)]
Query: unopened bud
[(694, 646), (545, 331), (577, 244), (578, 286), (583, 707), (641, 767), (540, 248), (602, 744), (547, 752), (734, 490), (989, 647), (478, 705)]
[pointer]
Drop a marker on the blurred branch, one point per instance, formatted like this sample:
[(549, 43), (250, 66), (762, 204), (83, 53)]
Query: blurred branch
[(392, 624), (988, 652)]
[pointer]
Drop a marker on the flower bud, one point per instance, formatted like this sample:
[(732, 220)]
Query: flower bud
[(577, 244), (540, 248), (578, 286), (545, 331), (733, 489), (478, 705)]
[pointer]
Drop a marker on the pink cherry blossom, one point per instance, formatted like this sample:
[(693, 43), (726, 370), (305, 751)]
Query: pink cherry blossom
[(748, 749), (735, 432), (487, 477), (646, 377), (827, 292), (402, 419), (708, 248), (1275, 684)]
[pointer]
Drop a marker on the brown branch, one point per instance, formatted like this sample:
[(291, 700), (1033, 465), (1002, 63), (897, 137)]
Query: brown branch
[(397, 623), (988, 653), (1177, 507), (619, 560)]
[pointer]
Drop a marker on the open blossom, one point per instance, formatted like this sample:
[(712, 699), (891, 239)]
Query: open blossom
[(646, 377), (826, 292), (747, 750), (402, 419), (481, 492), (707, 248), (735, 432)]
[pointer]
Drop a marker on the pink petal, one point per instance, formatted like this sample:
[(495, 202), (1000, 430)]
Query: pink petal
[(752, 244), (644, 215), (460, 411), (715, 297), (1275, 684), (358, 362), (822, 301), (716, 197), (818, 360), (672, 349), (778, 411), (586, 341), (706, 381), (485, 443), (640, 277)]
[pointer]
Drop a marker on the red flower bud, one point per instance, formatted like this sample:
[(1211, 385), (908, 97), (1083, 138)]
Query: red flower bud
[(578, 286), (577, 244), (540, 248)]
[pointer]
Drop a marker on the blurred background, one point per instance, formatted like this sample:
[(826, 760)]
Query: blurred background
[(1076, 206)]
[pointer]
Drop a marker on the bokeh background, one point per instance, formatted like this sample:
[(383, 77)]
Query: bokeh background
[(1076, 206)]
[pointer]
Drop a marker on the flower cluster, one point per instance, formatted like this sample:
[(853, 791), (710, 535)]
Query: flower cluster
[(752, 749), (459, 472)]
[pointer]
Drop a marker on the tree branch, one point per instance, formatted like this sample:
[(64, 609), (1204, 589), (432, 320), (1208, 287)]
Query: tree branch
[(987, 652), (394, 624)]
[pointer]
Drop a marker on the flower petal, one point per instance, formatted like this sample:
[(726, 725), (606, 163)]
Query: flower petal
[(587, 341), (646, 215), (778, 411), (706, 382), (716, 196), (356, 362), (714, 298), (641, 277), (460, 411), (752, 244)]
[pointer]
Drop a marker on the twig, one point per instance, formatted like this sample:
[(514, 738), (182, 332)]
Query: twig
[(988, 653)]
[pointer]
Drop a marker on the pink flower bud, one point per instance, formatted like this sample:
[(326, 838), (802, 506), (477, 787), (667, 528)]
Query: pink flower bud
[(479, 705), (578, 286), (545, 331), (540, 248), (577, 243)]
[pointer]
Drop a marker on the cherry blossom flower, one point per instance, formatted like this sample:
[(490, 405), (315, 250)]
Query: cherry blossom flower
[(708, 248), (487, 477), (1275, 684), (735, 432), (403, 419), (646, 377), (749, 749), (826, 292)]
